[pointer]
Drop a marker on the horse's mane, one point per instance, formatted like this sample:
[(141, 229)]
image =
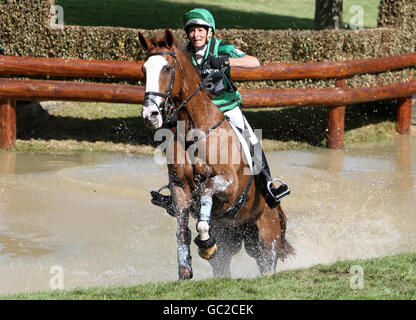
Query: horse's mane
[(158, 40)]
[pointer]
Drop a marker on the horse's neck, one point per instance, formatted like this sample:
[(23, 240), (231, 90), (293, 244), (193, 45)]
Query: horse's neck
[(204, 113)]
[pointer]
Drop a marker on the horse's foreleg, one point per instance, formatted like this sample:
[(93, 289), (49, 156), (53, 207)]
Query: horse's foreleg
[(183, 234), (206, 243), (215, 185)]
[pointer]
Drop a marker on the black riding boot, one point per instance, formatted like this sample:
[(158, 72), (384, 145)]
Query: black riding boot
[(271, 194)]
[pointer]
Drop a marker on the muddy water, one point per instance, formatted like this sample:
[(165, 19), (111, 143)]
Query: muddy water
[(90, 214)]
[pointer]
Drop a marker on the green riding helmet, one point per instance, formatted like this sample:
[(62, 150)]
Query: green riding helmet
[(199, 17)]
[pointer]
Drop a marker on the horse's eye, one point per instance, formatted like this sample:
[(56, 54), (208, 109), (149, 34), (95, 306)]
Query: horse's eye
[(167, 69)]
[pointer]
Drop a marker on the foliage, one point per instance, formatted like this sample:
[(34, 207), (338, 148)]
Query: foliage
[(25, 34)]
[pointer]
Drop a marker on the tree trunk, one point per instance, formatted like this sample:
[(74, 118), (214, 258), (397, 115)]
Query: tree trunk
[(328, 14)]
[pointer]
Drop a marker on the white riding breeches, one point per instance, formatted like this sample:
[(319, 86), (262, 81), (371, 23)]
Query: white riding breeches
[(237, 119)]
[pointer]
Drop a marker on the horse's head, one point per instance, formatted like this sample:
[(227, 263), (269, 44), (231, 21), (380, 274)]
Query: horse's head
[(160, 73)]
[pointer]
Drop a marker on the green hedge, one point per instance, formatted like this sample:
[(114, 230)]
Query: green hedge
[(25, 31), (397, 13)]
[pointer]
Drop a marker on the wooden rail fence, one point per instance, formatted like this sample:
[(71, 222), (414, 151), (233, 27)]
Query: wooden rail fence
[(335, 99)]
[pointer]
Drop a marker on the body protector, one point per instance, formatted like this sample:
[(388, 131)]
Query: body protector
[(226, 95)]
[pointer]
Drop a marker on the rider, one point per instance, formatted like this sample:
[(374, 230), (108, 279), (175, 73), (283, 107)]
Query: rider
[(209, 53)]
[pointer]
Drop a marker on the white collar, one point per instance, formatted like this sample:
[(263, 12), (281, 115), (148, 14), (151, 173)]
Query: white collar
[(200, 54)]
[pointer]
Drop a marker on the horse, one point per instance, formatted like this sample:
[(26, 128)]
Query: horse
[(221, 197)]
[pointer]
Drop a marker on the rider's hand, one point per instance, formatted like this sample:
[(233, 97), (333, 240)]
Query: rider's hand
[(220, 62)]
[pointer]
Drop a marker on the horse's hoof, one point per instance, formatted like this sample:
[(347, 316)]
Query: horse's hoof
[(207, 248), (185, 273), (208, 253)]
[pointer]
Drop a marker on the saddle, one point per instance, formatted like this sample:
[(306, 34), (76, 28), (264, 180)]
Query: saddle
[(271, 194)]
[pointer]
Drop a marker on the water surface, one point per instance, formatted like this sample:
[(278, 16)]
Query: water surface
[(91, 214)]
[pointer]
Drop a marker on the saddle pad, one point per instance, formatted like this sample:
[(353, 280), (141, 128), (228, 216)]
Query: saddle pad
[(245, 146)]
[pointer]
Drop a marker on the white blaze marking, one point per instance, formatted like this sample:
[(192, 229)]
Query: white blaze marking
[(153, 67)]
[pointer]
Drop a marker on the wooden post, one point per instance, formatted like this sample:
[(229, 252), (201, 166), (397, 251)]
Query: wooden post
[(414, 109), (7, 162), (404, 113), (336, 123), (7, 123)]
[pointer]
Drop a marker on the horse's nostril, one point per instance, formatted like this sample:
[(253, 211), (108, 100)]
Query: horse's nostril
[(154, 114)]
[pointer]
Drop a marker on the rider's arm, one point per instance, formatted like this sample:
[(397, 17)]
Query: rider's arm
[(245, 61), (238, 58)]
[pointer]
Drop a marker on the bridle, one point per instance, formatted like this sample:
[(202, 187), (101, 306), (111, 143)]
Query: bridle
[(172, 116), (168, 99)]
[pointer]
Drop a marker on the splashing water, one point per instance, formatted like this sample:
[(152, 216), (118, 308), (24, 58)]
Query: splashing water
[(91, 214)]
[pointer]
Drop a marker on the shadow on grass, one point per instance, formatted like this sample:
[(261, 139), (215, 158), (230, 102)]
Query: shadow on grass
[(308, 124), (301, 124), (164, 14), (117, 130)]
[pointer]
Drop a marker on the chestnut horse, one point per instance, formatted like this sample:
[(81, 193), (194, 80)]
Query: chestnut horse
[(228, 207)]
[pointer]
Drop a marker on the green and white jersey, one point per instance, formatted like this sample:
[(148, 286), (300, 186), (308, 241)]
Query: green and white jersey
[(231, 97)]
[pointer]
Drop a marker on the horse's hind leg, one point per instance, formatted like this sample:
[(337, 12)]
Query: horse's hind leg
[(265, 239), (229, 242)]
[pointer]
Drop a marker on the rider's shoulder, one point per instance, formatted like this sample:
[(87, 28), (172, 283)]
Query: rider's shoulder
[(223, 45), (229, 49)]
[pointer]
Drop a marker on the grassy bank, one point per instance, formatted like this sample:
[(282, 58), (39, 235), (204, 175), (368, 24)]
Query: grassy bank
[(236, 14), (391, 277), (100, 127)]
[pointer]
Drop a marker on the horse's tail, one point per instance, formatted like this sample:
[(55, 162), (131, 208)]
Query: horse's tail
[(286, 248)]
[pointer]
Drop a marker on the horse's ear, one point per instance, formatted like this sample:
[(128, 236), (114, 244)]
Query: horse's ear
[(144, 42), (170, 39)]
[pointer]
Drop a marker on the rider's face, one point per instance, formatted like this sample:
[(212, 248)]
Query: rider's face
[(198, 36)]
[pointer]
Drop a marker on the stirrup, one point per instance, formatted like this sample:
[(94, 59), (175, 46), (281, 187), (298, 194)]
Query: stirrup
[(280, 192), (275, 194), (163, 201)]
